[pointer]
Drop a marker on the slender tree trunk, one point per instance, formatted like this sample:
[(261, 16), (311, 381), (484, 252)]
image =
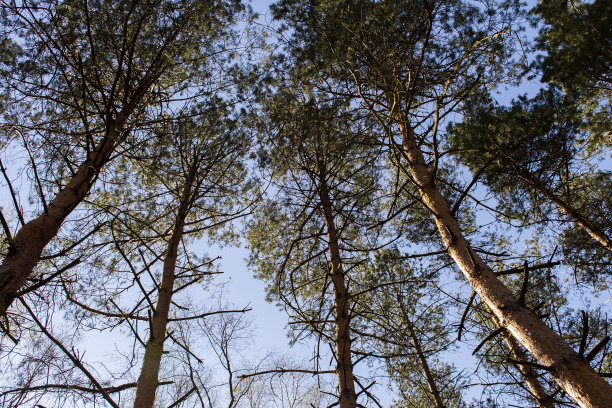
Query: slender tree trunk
[(593, 230), (149, 373), (571, 372), (344, 367), (33, 237), (431, 382), (529, 374)]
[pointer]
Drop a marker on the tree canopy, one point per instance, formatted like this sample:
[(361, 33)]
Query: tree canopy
[(433, 236)]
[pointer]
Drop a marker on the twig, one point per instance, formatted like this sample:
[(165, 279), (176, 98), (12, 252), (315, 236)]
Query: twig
[(71, 356), (521, 298), (465, 192), (597, 348), (528, 363), (48, 279), (489, 337), (183, 398), (366, 392), (465, 313), (13, 195), (585, 333), (180, 319), (286, 370), (7, 231), (40, 189), (531, 268), (110, 390)]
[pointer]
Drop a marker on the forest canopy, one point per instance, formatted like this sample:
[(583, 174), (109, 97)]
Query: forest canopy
[(423, 187)]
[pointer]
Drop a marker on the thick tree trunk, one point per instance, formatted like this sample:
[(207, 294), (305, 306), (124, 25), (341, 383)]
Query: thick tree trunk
[(33, 237), (149, 373), (593, 230), (344, 367), (571, 372)]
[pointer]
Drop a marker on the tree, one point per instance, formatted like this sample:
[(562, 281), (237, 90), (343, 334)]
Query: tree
[(319, 214), (378, 209), (281, 382), (575, 37), (532, 156), (411, 64), (198, 174), (188, 182), (548, 144), (85, 90), (403, 319)]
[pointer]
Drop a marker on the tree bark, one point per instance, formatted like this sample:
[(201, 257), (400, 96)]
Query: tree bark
[(149, 373), (572, 373), (33, 237), (344, 366)]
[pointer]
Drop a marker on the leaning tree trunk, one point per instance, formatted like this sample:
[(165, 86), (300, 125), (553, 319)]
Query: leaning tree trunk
[(431, 381), (344, 367), (529, 374), (571, 372), (149, 373), (593, 230), (30, 241)]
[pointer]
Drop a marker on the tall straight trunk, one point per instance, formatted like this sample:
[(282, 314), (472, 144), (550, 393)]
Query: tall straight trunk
[(33, 237), (149, 373), (431, 381), (572, 373), (593, 230), (344, 367)]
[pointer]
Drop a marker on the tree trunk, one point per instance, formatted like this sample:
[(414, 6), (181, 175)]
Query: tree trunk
[(149, 373), (431, 382), (571, 372), (33, 237), (344, 367), (531, 377), (593, 230)]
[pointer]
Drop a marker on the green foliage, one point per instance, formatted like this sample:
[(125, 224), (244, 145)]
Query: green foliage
[(532, 154), (326, 127), (82, 69), (577, 39), (529, 137), (307, 143), (402, 314), (400, 57)]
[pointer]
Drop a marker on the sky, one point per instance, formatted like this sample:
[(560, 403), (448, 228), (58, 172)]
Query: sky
[(268, 321)]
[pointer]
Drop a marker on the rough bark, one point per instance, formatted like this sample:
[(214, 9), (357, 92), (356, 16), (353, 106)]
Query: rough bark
[(148, 380), (587, 388), (344, 366)]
